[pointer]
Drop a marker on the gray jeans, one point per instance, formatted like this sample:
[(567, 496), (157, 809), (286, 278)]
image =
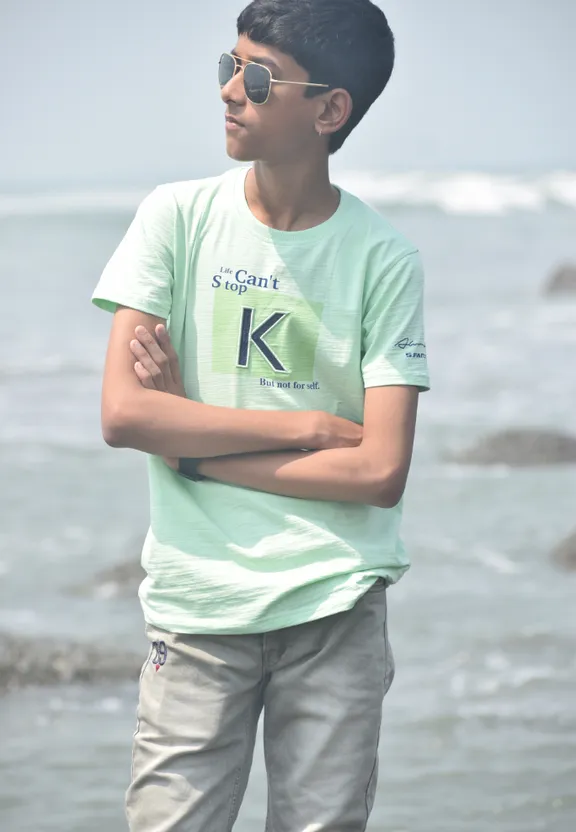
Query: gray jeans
[(321, 687)]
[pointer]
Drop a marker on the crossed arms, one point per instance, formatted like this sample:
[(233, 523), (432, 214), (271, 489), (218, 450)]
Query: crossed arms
[(144, 407)]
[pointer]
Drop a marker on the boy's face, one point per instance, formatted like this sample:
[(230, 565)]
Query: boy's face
[(282, 129)]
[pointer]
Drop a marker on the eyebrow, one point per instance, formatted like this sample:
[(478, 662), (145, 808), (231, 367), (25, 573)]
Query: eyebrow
[(250, 59)]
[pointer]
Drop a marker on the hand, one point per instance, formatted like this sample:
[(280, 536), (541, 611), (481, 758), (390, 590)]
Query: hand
[(157, 363), (157, 366), (336, 432)]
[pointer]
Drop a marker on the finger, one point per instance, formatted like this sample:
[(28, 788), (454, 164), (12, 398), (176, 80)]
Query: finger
[(146, 379), (149, 365), (166, 345), (155, 351)]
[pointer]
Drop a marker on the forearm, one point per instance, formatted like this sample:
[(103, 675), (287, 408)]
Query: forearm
[(172, 426), (342, 475)]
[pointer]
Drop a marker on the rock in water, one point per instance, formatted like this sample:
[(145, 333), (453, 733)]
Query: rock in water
[(562, 281), (30, 661), (564, 555), (521, 447), (120, 581)]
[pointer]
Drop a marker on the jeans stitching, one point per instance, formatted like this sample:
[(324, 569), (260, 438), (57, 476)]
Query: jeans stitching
[(386, 688), (370, 779), (241, 769), (234, 795), (136, 732), (388, 656)]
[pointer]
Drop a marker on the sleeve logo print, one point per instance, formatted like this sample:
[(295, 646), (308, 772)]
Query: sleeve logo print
[(412, 349)]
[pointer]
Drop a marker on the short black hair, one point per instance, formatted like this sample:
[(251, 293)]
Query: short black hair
[(343, 43)]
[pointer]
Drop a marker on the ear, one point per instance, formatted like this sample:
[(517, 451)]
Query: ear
[(335, 108)]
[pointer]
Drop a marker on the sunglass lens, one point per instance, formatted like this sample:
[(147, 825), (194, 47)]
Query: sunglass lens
[(257, 83), (226, 69)]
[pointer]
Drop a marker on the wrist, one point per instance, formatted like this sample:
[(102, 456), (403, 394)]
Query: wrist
[(317, 431)]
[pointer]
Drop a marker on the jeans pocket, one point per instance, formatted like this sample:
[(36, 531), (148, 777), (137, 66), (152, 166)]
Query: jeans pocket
[(379, 585)]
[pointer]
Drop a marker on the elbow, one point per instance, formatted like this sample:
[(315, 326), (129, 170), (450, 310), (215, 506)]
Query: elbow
[(117, 425), (389, 490), (113, 436)]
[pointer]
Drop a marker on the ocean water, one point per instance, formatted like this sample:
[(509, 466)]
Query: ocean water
[(480, 725)]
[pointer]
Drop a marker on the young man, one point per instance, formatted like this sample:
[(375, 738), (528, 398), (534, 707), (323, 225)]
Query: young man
[(279, 417)]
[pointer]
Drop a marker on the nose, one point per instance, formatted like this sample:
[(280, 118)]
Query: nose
[(233, 92)]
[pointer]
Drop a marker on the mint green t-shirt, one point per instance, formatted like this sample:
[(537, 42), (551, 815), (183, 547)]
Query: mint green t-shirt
[(271, 320)]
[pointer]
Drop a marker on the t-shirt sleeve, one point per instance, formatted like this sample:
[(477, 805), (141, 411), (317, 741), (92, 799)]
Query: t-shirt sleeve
[(393, 339), (140, 273)]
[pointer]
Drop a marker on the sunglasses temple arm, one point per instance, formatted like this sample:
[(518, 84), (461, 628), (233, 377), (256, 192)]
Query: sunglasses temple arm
[(299, 83)]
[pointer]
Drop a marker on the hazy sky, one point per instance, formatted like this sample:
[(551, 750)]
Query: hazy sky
[(125, 90)]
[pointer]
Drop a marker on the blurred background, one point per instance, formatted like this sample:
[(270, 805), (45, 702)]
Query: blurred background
[(471, 153)]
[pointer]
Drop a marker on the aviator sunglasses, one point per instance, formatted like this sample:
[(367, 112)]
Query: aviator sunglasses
[(257, 78)]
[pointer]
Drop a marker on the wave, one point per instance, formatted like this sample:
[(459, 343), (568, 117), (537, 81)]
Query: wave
[(68, 704), (68, 203), (465, 193), (489, 558)]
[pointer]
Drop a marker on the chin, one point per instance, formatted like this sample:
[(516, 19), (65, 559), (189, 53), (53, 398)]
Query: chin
[(240, 154), (239, 151)]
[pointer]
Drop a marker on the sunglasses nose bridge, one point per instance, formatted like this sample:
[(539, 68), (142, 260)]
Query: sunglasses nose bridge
[(234, 89)]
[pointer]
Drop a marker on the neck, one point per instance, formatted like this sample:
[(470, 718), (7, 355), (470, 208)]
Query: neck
[(291, 196)]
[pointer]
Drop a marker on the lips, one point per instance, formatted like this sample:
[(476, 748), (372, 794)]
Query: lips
[(233, 121)]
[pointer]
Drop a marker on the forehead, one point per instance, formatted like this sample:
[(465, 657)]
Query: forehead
[(260, 53)]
